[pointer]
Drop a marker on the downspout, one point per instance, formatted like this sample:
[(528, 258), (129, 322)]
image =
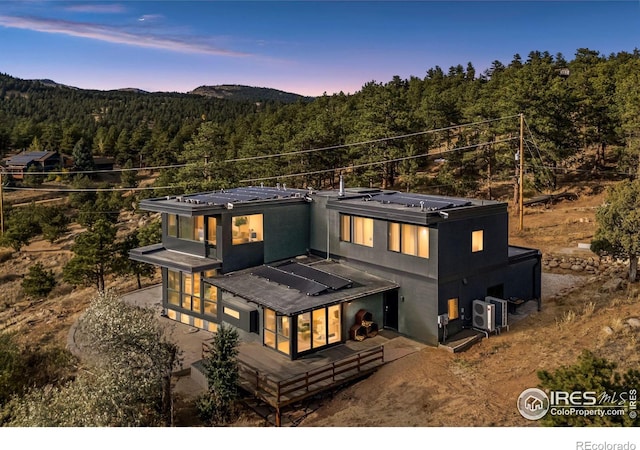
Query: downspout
[(327, 234)]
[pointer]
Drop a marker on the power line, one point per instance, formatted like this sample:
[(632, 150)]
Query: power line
[(273, 155), (88, 189), (372, 141), (357, 166)]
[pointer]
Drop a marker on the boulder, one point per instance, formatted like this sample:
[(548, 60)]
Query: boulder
[(577, 268), (608, 330), (634, 322), (612, 285)]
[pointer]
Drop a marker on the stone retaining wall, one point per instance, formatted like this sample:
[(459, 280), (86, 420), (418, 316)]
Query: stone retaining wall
[(592, 265)]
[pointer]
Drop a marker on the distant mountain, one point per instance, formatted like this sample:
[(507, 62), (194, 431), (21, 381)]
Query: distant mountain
[(51, 83), (244, 93)]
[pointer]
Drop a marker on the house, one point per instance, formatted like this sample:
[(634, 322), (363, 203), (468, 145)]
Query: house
[(42, 161), (299, 270)]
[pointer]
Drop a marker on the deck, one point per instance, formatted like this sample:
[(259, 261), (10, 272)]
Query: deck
[(279, 382)]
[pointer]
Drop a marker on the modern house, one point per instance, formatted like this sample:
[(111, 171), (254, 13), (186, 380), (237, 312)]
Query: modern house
[(299, 270), (42, 161)]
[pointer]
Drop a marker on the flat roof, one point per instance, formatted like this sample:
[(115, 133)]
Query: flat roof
[(289, 300), (203, 202), (160, 256)]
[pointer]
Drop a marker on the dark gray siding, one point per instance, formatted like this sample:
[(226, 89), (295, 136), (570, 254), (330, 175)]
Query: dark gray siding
[(286, 232), (523, 280), (455, 259)]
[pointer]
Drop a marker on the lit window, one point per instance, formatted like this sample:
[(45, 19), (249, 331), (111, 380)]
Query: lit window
[(246, 229), (394, 237), (319, 320), (231, 312), (212, 223), (477, 241), (172, 225), (453, 309), (345, 228), (183, 290), (277, 331), (409, 239), (334, 324), (304, 332), (358, 230)]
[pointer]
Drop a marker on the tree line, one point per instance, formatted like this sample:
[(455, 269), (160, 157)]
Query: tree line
[(588, 105)]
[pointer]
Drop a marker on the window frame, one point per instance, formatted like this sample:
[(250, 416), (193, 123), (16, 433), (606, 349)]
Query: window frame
[(352, 226), (406, 234), (476, 246)]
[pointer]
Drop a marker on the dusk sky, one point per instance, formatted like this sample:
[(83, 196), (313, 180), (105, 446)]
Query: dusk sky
[(304, 47)]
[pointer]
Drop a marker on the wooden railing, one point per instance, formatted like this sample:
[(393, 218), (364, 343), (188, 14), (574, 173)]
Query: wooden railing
[(283, 392)]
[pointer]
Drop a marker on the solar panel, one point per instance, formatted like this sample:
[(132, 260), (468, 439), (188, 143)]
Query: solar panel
[(429, 202), (290, 280), (330, 280)]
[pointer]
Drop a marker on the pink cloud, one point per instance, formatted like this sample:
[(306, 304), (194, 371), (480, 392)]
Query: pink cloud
[(115, 35)]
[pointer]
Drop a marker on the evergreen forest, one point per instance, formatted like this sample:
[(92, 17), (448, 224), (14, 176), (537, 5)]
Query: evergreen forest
[(388, 134)]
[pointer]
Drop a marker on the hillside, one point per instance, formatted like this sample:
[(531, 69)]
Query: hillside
[(248, 93)]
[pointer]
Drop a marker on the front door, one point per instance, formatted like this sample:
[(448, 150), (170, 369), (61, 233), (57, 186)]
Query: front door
[(390, 304)]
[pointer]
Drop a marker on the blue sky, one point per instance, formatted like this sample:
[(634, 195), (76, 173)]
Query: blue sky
[(304, 47)]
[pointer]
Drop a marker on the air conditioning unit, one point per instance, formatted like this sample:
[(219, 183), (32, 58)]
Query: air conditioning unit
[(483, 315), (502, 311)]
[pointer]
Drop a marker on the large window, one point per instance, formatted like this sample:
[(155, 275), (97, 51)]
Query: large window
[(477, 241), (185, 227), (210, 296), (318, 328), (409, 239), (246, 229), (277, 331), (183, 290), (357, 230), (304, 332)]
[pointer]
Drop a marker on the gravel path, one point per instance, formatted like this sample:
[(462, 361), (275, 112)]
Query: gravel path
[(553, 283)]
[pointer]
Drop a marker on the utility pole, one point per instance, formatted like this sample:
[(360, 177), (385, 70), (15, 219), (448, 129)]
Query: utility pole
[(521, 175), (1, 207)]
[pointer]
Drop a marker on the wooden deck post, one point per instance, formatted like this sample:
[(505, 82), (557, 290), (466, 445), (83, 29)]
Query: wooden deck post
[(278, 416)]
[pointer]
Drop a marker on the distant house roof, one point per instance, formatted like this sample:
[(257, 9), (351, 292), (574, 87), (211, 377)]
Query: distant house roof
[(252, 285), (25, 158)]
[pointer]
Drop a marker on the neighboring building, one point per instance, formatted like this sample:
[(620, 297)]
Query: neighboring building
[(43, 161), (293, 268)]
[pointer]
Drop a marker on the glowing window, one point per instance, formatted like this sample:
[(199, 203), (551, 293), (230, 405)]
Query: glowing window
[(231, 312), (409, 239), (394, 237), (453, 309), (245, 229), (477, 241), (212, 224), (334, 324), (304, 332), (172, 225), (357, 230)]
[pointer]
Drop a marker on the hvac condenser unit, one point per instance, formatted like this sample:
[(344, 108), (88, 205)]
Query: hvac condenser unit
[(484, 317), (502, 312)]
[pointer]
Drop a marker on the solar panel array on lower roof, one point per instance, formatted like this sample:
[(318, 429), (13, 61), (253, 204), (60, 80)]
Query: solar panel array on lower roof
[(330, 280), (428, 202), (290, 280)]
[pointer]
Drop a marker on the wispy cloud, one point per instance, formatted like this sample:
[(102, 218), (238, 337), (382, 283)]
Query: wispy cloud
[(97, 8), (116, 35), (150, 17)]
